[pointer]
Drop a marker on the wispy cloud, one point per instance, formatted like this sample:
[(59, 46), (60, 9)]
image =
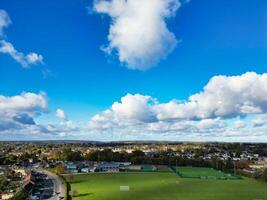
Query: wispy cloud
[(24, 60), (7, 48), (5, 21)]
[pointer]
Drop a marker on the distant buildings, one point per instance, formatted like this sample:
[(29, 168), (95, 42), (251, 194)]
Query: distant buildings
[(109, 167), (258, 165), (89, 167), (71, 168), (20, 180)]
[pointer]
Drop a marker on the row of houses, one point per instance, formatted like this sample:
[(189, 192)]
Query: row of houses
[(26, 184), (223, 156)]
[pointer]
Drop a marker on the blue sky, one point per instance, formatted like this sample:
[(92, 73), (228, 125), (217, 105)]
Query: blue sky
[(213, 38)]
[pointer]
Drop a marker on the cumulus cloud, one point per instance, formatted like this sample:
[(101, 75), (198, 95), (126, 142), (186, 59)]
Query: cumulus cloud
[(223, 96), (138, 31), (204, 113), (135, 108), (61, 114), (26, 102), (7, 48), (241, 115), (19, 111), (18, 116)]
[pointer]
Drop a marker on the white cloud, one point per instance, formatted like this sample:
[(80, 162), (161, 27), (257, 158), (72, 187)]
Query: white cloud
[(261, 120), (135, 108), (8, 48), (19, 111), (206, 114), (4, 21), (61, 114), (24, 60), (239, 124), (33, 58), (26, 102), (209, 123), (143, 117), (187, 126), (223, 96), (18, 116), (138, 32)]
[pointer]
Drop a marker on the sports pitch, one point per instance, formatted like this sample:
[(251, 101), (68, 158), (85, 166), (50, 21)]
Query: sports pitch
[(204, 173), (164, 186)]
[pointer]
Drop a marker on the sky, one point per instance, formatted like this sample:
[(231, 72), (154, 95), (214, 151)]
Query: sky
[(176, 70)]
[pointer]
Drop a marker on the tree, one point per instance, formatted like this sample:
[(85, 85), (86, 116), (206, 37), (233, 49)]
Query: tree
[(70, 155), (138, 153), (60, 169), (92, 156), (229, 165)]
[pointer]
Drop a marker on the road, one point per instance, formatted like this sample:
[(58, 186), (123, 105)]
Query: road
[(58, 184)]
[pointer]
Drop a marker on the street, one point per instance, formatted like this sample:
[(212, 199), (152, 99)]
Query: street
[(58, 186), (49, 186)]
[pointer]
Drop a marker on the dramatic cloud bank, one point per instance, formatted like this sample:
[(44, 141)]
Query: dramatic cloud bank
[(8, 48), (138, 32)]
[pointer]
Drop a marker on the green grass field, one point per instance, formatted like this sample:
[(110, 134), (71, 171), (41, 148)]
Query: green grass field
[(164, 186), (201, 172)]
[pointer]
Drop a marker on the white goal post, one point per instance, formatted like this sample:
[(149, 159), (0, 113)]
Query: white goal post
[(124, 188)]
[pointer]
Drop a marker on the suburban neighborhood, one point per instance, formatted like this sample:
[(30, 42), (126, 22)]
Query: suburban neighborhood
[(26, 167)]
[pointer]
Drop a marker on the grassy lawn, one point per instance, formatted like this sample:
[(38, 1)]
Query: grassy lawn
[(201, 172), (164, 186)]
